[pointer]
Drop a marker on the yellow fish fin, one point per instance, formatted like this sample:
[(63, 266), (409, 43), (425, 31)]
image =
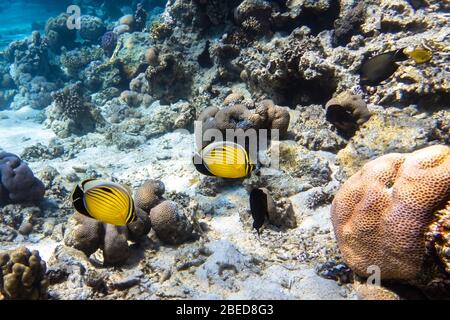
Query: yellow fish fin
[(419, 55)]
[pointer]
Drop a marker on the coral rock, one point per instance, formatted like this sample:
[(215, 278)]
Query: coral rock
[(88, 235), (149, 194), (17, 182), (115, 247), (170, 223), (92, 28), (347, 112), (381, 214), (22, 275)]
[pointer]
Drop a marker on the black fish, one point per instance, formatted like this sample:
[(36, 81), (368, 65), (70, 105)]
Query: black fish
[(258, 208), (380, 67), (417, 4)]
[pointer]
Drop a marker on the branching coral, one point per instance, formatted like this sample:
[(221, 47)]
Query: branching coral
[(72, 112), (22, 275), (382, 214), (17, 182)]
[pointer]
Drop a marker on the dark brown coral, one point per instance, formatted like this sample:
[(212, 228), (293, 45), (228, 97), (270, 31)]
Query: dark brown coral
[(266, 115), (149, 194), (347, 112)]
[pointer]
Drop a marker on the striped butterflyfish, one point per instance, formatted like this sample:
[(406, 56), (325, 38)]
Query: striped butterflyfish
[(224, 159), (105, 201)]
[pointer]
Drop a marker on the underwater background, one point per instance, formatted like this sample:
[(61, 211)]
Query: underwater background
[(357, 183)]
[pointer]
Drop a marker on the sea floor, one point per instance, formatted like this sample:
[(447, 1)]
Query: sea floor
[(268, 265)]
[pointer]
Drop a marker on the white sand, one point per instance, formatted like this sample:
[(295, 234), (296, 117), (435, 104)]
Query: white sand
[(20, 130)]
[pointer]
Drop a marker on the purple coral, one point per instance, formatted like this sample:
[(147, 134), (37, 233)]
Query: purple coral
[(17, 182), (109, 41)]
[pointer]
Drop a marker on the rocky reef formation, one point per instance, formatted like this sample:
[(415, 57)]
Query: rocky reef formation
[(165, 217), (88, 235), (72, 112), (122, 94)]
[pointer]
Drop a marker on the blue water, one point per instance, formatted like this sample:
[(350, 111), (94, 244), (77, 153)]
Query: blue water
[(21, 17)]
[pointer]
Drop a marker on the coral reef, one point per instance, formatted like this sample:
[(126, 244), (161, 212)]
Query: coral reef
[(169, 80), (76, 60), (384, 133), (18, 184), (88, 235), (382, 213), (22, 275), (72, 113), (58, 35), (92, 28), (289, 70), (170, 223), (116, 93), (347, 112)]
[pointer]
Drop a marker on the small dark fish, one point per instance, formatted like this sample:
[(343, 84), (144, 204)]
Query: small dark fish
[(417, 4), (258, 208), (380, 67)]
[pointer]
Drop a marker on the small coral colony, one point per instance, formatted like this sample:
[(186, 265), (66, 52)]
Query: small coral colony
[(299, 72)]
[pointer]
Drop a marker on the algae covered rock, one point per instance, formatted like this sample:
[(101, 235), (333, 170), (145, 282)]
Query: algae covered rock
[(385, 133)]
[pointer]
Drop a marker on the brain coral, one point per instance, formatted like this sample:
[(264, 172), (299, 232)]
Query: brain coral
[(382, 214), (149, 194), (170, 223)]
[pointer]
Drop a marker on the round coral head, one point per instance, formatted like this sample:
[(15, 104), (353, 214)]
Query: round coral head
[(382, 213)]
